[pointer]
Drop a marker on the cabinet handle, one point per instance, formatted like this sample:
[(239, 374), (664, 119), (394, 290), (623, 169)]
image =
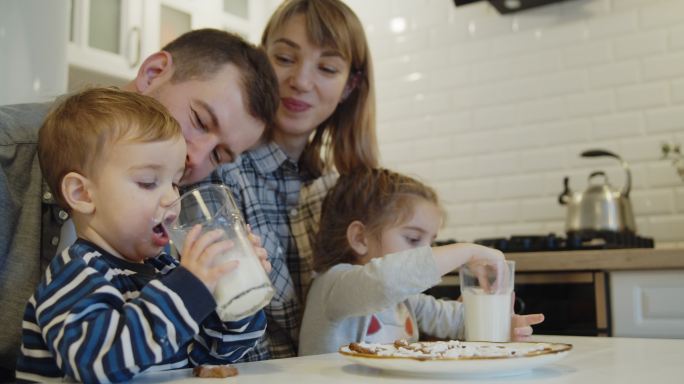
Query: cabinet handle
[(135, 31)]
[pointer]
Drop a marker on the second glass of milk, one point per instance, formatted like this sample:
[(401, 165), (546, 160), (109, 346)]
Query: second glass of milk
[(487, 290), (246, 289)]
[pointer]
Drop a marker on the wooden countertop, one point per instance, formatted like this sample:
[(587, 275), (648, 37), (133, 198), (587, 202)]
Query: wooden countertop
[(603, 260)]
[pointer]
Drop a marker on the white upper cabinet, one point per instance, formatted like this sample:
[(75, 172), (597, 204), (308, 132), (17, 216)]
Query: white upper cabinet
[(110, 38), (106, 36)]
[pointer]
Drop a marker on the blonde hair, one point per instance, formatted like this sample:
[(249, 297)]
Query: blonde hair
[(79, 129), (347, 138), (378, 198)]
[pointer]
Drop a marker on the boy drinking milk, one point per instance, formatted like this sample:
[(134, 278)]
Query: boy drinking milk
[(113, 305)]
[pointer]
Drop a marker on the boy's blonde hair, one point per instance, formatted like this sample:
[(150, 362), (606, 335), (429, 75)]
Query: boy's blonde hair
[(378, 198), (78, 131)]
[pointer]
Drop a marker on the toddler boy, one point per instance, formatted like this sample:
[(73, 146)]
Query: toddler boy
[(113, 305)]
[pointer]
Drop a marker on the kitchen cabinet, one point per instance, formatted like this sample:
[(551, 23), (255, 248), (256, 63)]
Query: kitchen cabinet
[(245, 17), (109, 38), (647, 303), (106, 37)]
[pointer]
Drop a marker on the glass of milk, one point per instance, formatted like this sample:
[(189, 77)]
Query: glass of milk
[(487, 291), (246, 289)]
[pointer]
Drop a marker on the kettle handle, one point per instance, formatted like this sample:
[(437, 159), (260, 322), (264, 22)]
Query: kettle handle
[(603, 152), (563, 197), (598, 173)]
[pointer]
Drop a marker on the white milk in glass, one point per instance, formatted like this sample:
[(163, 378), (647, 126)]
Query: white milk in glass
[(241, 292), (487, 316)]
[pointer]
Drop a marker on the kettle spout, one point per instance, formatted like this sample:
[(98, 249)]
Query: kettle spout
[(565, 195)]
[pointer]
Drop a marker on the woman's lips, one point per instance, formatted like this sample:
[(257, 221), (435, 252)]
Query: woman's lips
[(295, 105)]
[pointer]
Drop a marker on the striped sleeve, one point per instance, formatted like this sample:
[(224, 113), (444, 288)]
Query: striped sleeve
[(95, 334), (226, 342)]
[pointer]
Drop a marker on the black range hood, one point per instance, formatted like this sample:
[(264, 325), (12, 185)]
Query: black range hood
[(510, 6)]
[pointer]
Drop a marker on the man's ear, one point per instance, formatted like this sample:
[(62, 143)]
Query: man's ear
[(357, 239), (157, 66), (77, 193)]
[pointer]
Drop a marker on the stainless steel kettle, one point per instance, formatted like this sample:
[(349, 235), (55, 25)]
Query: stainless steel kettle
[(600, 207)]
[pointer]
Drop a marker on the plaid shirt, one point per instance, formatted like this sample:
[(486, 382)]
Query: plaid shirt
[(268, 188)]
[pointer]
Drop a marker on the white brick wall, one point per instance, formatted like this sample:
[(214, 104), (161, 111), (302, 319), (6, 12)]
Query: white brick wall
[(494, 110)]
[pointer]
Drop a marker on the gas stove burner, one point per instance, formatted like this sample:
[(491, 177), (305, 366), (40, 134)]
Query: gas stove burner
[(585, 240)]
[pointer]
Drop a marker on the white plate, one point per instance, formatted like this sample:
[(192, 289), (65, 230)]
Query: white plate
[(467, 366)]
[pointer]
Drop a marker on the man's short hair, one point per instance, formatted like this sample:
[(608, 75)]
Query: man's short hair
[(201, 53), (80, 128)]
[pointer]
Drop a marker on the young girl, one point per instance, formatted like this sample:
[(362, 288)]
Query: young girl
[(373, 256)]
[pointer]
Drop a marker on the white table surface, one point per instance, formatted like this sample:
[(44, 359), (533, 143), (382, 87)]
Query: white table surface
[(592, 360)]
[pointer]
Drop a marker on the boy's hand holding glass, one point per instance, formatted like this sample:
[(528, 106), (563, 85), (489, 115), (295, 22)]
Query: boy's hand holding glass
[(259, 250), (199, 252), (243, 287)]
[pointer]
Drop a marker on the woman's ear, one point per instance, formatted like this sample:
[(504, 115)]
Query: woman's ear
[(157, 66), (356, 236), (77, 193), (352, 83)]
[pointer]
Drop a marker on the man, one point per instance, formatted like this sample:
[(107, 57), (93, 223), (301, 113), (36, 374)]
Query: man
[(221, 89)]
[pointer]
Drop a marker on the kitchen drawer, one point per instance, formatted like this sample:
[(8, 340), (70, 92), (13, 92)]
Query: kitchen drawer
[(647, 303)]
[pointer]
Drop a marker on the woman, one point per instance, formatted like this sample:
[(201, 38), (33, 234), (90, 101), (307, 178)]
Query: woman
[(325, 124)]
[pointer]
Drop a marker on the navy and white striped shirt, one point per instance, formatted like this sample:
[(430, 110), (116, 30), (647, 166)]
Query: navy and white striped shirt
[(97, 318)]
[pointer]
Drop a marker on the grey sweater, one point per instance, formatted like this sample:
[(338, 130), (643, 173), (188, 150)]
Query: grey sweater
[(29, 221), (344, 300)]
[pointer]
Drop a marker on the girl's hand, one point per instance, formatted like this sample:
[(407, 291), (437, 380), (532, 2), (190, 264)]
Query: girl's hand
[(453, 256), (259, 250), (521, 325), (199, 252)]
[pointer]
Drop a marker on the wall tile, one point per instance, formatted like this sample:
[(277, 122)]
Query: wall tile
[(678, 91), (452, 168), (564, 132), (492, 117), (589, 104), (679, 199), (496, 211), (664, 67), (617, 126), (677, 37), (542, 160), (587, 54), (643, 96), (614, 74), (459, 214), (451, 122), (511, 187), (497, 164), (641, 148), (473, 190), (663, 13), (542, 209), (548, 109), (494, 110), (641, 44), (667, 228), (665, 119), (652, 202), (620, 23)]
